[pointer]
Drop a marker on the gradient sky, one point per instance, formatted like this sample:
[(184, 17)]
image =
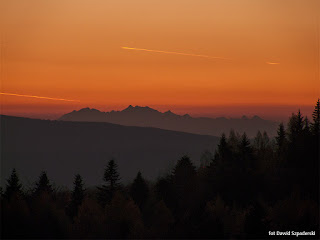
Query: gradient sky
[(72, 50)]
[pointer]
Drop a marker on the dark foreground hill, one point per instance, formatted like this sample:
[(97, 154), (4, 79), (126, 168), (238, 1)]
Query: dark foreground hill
[(148, 117), (66, 148)]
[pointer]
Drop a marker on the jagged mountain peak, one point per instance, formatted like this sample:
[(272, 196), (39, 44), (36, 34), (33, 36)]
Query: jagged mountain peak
[(137, 108), (87, 109), (169, 113)]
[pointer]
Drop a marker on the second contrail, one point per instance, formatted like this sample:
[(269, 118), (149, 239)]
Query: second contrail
[(177, 53)]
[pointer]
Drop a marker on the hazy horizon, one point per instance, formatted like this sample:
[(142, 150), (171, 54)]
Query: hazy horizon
[(283, 112)]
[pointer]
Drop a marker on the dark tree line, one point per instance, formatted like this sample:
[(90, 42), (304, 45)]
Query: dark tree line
[(245, 189)]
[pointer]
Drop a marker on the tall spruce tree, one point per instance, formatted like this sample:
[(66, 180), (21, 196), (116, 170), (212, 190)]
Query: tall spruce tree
[(281, 137), (139, 190), (316, 119), (245, 152), (183, 170), (184, 184), (306, 129), (77, 196), (233, 140), (13, 187), (281, 143), (295, 127), (223, 154), (111, 178), (296, 152)]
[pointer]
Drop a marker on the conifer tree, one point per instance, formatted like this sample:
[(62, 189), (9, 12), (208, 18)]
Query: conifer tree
[(306, 129), (296, 150), (299, 121), (77, 196), (139, 190), (233, 139), (111, 178), (281, 141), (244, 143), (43, 185), (223, 154), (281, 137), (13, 187), (295, 127), (184, 184), (184, 169), (245, 152), (316, 119)]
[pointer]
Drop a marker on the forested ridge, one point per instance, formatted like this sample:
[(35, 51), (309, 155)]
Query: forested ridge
[(244, 189)]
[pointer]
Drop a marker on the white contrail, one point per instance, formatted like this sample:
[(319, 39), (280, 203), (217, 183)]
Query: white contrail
[(177, 53), (32, 96)]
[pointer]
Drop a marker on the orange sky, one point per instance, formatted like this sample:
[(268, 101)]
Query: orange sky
[(72, 50)]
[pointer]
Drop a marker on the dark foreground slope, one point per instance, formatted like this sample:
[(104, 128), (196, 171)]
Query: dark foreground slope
[(66, 148)]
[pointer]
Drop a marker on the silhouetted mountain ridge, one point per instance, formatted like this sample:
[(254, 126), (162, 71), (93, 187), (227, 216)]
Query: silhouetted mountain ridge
[(149, 117)]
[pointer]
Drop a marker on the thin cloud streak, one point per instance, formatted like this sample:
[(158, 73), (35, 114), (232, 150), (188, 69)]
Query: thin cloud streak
[(32, 96), (272, 63), (177, 53)]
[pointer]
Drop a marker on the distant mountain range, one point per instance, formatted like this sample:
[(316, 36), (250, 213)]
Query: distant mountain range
[(148, 117), (66, 148)]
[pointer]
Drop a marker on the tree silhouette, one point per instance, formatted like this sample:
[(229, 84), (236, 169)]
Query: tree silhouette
[(184, 185), (164, 190), (111, 178), (316, 119), (183, 170), (13, 187), (281, 140), (281, 144), (233, 139), (43, 185), (245, 153), (223, 152), (139, 190), (296, 140), (77, 196), (295, 127)]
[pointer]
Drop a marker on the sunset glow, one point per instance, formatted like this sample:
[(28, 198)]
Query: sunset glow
[(204, 58)]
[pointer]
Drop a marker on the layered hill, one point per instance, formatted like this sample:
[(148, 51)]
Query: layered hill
[(148, 117), (66, 148)]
